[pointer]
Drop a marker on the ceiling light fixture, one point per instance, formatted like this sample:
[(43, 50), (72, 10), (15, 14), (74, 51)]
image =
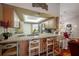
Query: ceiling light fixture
[(33, 19)]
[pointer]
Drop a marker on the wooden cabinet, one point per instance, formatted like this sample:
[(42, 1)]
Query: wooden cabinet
[(43, 46), (24, 48), (34, 47), (0, 52), (50, 46), (57, 49), (7, 14)]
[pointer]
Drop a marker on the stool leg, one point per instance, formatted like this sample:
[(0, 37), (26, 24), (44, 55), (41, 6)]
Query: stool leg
[(17, 47)]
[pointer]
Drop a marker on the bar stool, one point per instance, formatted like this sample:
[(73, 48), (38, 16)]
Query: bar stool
[(9, 49)]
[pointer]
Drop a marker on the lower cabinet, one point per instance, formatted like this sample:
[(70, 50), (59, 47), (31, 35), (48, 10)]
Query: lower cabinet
[(23, 48), (39, 47), (43, 47), (57, 49), (50, 46), (0, 52), (34, 47)]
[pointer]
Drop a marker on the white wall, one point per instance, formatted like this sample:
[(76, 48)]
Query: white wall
[(27, 28), (69, 14), (1, 30), (16, 20), (53, 8)]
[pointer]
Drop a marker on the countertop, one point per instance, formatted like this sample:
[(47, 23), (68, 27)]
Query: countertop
[(16, 38)]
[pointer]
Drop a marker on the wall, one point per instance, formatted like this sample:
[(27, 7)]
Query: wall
[(27, 28), (69, 14), (1, 30), (23, 27), (53, 8)]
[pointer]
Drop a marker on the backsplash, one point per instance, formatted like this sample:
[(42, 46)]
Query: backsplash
[(1, 30), (11, 30)]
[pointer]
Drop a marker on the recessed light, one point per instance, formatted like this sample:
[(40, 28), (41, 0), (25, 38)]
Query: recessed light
[(34, 19)]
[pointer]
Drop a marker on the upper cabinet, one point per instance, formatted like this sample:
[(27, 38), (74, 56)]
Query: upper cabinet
[(7, 14), (51, 23)]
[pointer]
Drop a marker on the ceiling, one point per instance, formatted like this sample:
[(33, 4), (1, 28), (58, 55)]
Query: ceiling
[(53, 8)]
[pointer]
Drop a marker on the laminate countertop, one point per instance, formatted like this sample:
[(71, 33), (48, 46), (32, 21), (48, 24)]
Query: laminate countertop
[(17, 38)]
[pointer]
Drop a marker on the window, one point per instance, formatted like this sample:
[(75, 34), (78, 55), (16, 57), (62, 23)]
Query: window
[(35, 28)]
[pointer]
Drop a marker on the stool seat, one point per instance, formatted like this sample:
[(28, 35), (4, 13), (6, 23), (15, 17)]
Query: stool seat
[(7, 46)]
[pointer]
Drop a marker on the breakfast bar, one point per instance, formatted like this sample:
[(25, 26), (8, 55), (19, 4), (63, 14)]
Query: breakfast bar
[(42, 44)]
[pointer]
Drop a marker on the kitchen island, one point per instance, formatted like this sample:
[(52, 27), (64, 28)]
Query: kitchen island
[(40, 45)]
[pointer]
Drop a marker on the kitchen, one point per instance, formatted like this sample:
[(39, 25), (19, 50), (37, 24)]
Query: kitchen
[(34, 29), (28, 33)]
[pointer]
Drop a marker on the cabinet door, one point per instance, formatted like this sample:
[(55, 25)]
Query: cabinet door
[(52, 23), (57, 49), (43, 45), (0, 52), (24, 48), (8, 14)]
